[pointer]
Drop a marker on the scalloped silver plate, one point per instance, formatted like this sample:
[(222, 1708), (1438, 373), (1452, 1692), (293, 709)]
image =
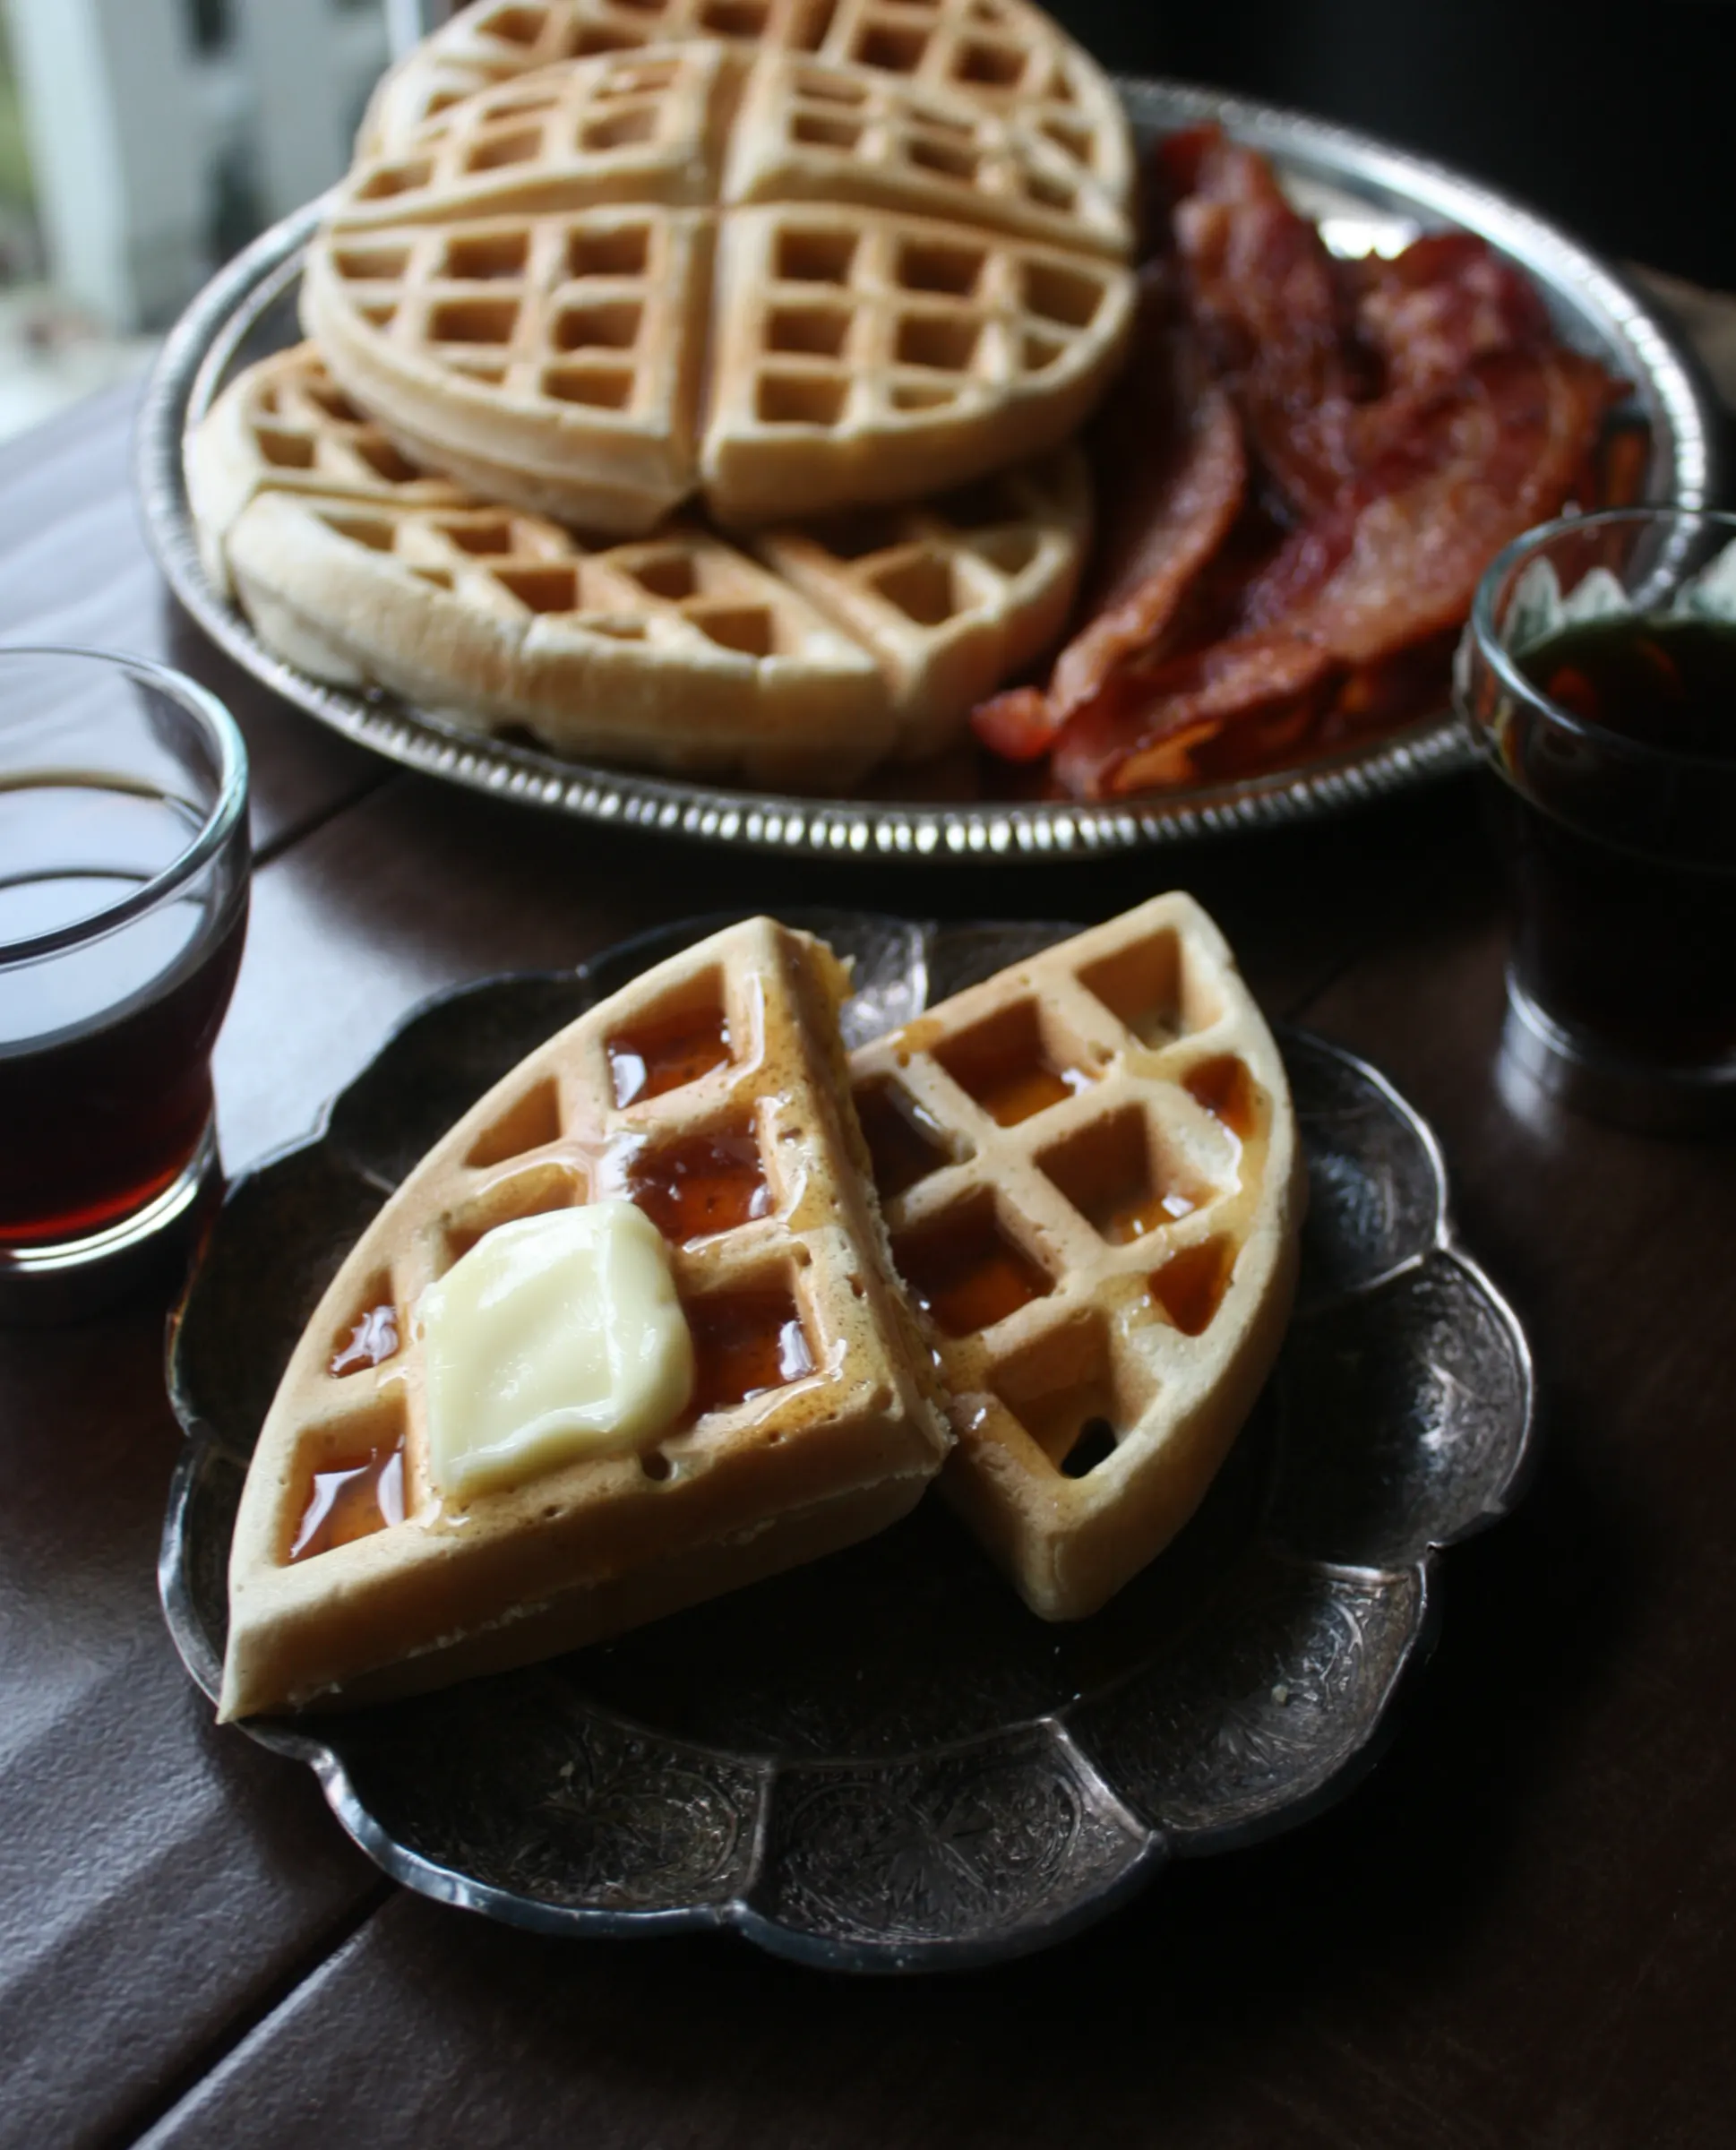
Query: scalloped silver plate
[(1367, 196), (883, 1762)]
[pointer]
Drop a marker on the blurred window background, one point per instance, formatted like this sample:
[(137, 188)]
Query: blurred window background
[(143, 142)]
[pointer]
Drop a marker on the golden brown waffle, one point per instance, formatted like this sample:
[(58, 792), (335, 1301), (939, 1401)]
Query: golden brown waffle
[(712, 1092), (286, 427), (623, 129), (862, 360), (907, 294), (839, 646), (1090, 1169), (808, 130), (999, 56), (952, 596)]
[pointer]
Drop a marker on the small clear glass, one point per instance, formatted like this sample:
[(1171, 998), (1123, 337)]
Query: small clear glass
[(1617, 815), (124, 868)]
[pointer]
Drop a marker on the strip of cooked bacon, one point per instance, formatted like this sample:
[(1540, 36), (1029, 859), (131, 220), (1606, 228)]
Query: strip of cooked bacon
[(1173, 480), (1364, 585), (1271, 312)]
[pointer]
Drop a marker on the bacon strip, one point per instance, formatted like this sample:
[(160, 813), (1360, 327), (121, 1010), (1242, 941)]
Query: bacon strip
[(1176, 478), (1401, 568)]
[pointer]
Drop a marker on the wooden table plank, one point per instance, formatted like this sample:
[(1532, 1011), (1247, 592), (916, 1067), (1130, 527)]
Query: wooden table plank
[(74, 568), (157, 1880)]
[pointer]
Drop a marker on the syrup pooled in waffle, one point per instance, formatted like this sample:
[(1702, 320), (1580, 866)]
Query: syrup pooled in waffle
[(1090, 1170), (1000, 55), (586, 361), (840, 645), (953, 593), (713, 1093)]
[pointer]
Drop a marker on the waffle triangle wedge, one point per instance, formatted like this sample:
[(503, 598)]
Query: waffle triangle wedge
[(712, 1092), (1090, 1170)]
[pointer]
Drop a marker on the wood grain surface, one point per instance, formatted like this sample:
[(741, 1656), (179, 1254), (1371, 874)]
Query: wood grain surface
[(1521, 1930)]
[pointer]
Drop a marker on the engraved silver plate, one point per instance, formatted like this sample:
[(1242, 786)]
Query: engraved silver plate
[(1368, 197), (883, 1762)]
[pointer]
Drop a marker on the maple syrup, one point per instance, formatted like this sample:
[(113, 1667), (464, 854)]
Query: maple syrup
[(904, 1144), (351, 1500), (1625, 924), (1150, 1210), (373, 1341), (967, 1275), (745, 1346), (1190, 1286), (707, 1184), (1005, 1064), (660, 1057), (1226, 1090), (105, 1049), (1025, 1092)]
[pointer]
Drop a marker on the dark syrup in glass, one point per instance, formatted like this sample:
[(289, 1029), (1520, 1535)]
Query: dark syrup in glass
[(1614, 938), (105, 1050)]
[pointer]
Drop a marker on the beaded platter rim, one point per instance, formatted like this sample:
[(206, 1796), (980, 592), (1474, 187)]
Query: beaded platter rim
[(916, 1846), (1377, 193)]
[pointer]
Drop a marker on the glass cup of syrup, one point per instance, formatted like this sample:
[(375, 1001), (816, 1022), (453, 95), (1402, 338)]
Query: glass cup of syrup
[(1598, 674), (124, 892)]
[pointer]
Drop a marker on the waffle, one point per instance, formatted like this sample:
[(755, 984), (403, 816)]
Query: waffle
[(936, 356), (951, 596), (895, 291), (999, 56), (811, 1425), (1090, 1170), (285, 426), (840, 645)]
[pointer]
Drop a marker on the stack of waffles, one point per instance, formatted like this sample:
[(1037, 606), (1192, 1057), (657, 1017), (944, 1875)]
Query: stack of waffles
[(779, 267), (1059, 1241)]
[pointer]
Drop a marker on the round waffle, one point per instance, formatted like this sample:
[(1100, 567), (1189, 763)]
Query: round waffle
[(799, 657), (786, 286), (998, 56)]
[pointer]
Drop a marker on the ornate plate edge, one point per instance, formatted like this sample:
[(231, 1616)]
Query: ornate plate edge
[(1154, 1846)]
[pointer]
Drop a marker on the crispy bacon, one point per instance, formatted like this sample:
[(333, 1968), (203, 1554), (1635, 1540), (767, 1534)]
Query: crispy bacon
[(1175, 478), (1296, 528), (1402, 569)]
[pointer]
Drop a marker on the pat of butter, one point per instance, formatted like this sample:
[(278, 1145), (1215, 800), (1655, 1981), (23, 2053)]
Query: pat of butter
[(554, 1338)]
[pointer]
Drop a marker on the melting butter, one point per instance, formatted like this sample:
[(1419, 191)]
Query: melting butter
[(554, 1338)]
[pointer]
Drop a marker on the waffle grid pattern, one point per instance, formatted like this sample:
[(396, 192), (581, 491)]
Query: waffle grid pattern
[(676, 592), (943, 598), (1083, 1349), (543, 1140), (916, 293), (1001, 54), (622, 129), (580, 311), (831, 325), (953, 593), (844, 134)]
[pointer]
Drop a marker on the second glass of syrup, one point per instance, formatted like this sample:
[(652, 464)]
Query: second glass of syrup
[(1611, 736)]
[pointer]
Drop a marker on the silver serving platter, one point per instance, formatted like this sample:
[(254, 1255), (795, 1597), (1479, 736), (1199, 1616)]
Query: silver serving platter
[(883, 1762), (1367, 196)]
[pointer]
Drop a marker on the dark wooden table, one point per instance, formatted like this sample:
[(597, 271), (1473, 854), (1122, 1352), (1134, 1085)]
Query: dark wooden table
[(1521, 1930)]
